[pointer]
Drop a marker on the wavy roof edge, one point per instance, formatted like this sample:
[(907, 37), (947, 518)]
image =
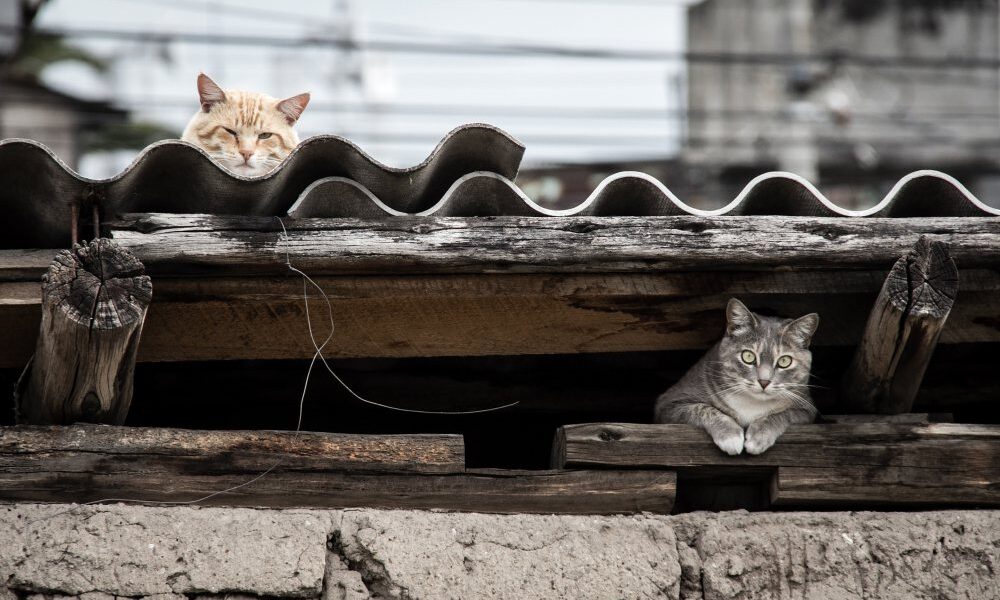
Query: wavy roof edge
[(632, 193), (317, 140), (37, 188)]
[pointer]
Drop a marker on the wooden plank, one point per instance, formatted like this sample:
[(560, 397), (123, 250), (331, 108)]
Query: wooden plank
[(547, 492), (891, 486), (877, 463), (88, 449), (94, 303), (25, 265), (904, 418), (201, 244), (88, 463), (224, 318), (902, 331)]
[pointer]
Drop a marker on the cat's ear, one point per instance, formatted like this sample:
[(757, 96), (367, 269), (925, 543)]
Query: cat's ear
[(209, 92), (801, 330), (739, 319), (292, 107)]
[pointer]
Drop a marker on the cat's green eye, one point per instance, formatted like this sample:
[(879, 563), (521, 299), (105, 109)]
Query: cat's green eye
[(264, 136), (748, 357), (231, 132), (785, 361)]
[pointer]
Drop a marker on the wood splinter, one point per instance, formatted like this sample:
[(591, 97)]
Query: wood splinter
[(94, 302), (902, 331)]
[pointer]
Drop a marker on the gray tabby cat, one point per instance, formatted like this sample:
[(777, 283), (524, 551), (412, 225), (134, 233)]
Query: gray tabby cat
[(750, 386)]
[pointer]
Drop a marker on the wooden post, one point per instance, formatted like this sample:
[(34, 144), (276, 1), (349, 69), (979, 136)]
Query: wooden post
[(902, 331), (94, 301)]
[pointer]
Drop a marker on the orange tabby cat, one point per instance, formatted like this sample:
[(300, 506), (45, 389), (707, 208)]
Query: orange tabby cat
[(246, 132)]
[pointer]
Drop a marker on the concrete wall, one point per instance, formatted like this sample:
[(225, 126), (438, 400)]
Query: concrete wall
[(180, 553), (760, 106), (39, 118)]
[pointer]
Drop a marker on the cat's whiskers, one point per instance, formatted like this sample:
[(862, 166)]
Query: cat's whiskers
[(233, 125), (739, 382), (795, 397), (808, 385)]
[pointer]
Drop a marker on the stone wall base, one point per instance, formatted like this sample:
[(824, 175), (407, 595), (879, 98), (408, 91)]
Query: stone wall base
[(98, 552)]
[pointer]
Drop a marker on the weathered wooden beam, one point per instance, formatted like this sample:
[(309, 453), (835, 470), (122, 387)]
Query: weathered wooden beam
[(221, 318), (496, 491), (902, 331), (94, 302), (408, 245), (427, 286), (900, 419), (863, 464), (90, 463), (91, 448)]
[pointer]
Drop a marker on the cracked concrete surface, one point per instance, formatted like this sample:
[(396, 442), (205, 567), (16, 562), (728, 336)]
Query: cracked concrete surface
[(932, 555), (137, 551), (189, 553)]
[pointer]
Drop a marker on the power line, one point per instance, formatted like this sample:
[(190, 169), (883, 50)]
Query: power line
[(479, 112), (665, 115), (525, 50), (755, 141), (615, 3), (271, 16)]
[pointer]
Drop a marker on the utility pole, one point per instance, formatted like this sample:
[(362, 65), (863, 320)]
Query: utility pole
[(802, 155), (343, 63)]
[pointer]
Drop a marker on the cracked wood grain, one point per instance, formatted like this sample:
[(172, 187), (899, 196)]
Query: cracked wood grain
[(872, 464), (94, 302), (903, 329), (87, 463), (407, 245)]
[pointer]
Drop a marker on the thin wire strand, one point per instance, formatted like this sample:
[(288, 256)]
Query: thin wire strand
[(261, 475), (319, 347), (317, 355)]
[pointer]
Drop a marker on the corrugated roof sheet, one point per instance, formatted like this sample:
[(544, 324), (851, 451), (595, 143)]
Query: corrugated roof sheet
[(919, 194), (469, 174), (36, 188)]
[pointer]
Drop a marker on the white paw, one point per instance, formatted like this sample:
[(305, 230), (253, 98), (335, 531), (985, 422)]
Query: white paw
[(759, 441), (730, 443)]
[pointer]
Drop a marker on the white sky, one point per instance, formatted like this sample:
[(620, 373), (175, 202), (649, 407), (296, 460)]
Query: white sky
[(157, 79)]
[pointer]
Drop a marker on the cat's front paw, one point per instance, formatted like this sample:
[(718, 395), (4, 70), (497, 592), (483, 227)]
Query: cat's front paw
[(759, 438), (729, 441)]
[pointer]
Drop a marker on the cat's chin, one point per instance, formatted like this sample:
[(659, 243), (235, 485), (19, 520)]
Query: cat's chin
[(245, 170), (762, 395)]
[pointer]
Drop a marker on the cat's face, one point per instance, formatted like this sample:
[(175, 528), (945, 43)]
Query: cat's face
[(765, 358), (246, 132)]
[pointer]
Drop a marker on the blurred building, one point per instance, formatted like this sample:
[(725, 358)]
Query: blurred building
[(888, 87), (62, 122), (30, 109)]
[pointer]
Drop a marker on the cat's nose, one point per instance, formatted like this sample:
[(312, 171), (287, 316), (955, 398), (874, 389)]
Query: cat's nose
[(246, 155), (764, 383)]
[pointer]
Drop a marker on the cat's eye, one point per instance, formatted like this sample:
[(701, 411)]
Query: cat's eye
[(264, 136), (785, 361), (231, 132), (748, 357)]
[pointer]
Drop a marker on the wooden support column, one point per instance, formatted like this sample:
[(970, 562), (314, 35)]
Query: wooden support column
[(94, 302), (902, 331)]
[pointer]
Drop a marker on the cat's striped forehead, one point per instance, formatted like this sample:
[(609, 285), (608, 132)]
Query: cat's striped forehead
[(247, 109), (768, 332), (768, 338)]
